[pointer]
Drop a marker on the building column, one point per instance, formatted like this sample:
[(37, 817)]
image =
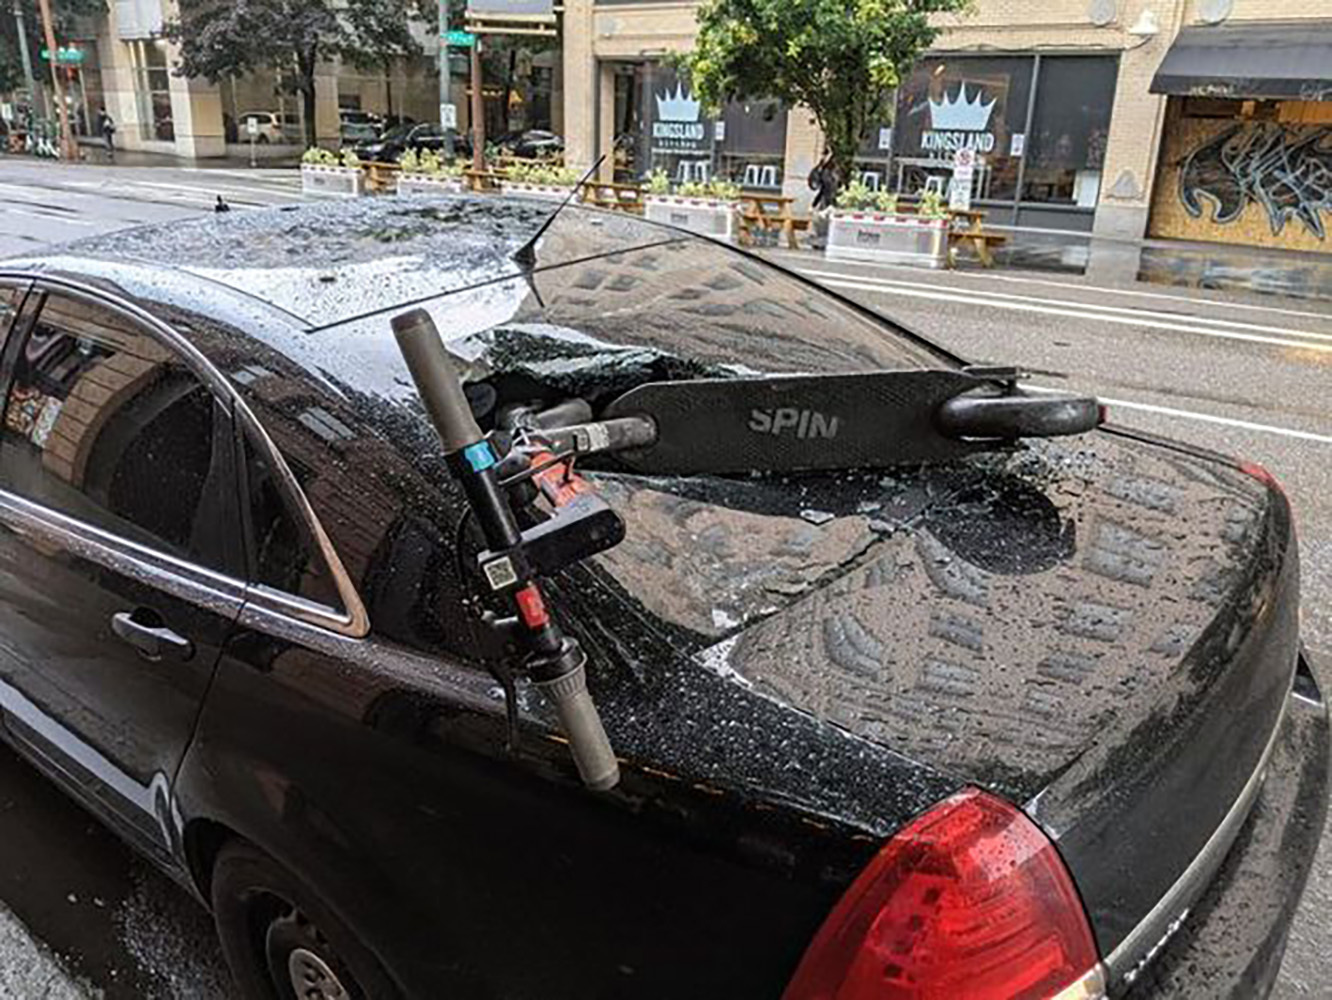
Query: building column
[(804, 143), (1132, 149), (196, 112), (580, 70)]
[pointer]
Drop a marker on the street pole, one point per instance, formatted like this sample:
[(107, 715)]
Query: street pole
[(444, 75), (478, 110), (67, 148), (38, 105)]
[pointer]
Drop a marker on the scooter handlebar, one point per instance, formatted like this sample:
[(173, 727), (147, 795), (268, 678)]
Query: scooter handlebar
[(436, 379), (582, 726)]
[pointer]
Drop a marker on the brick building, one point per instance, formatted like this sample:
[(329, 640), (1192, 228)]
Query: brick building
[(1081, 126)]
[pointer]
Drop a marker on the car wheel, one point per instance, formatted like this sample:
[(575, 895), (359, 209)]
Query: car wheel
[(263, 139), (281, 942)]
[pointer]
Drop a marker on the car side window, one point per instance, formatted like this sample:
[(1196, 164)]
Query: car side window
[(285, 555), (106, 424), (10, 297)]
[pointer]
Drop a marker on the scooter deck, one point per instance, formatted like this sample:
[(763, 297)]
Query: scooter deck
[(795, 423)]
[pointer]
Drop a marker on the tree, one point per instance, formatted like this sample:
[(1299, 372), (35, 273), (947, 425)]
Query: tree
[(220, 38), (839, 58), (65, 12)]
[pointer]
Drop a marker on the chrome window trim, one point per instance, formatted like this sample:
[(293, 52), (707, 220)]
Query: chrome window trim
[(180, 577), (353, 621), (1135, 952)]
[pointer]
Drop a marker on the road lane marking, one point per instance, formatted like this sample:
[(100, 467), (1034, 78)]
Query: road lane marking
[(990, 297), (1085, 312), (48, 216), (1207, 418), (1066, 285)]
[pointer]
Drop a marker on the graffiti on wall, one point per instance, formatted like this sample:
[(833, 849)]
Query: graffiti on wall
[(1287, 170)]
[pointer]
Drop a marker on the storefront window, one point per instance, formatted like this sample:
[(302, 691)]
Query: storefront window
[(1066, 148), (152, 89), (874, 158), (673, 134), (953, 103), (751, 144)]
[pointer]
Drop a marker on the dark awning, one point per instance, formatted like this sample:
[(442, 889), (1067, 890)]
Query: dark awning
[(1285, 61)]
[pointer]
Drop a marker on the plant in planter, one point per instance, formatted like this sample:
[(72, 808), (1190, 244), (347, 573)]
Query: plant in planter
[(706, 207), (867, 225), (325, 173), (540, 180), (427, 173)]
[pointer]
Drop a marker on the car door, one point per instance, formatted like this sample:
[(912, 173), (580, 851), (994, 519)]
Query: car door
[(119, 552)]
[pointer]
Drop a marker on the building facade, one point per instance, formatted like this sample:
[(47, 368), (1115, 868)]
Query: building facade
[(1080, 130)]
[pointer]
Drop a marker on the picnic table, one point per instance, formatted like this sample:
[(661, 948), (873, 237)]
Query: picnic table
[(973, 232), (482, 180), (380, 176), (764, 212), (615, 196)]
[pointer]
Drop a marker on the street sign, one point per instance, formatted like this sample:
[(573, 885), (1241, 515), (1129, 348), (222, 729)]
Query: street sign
[(448, 115), (252, 127), (64, 56), (460, 39), (516, 9), (964, 176)]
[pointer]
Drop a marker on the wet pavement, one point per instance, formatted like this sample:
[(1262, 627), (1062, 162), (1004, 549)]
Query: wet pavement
[(1243, 374)]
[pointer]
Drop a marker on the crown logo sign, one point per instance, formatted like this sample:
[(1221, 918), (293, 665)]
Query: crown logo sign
[(677, 107), (961, 113)]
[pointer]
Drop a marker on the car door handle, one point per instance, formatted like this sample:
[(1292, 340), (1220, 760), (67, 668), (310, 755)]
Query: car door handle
[(148, 634)]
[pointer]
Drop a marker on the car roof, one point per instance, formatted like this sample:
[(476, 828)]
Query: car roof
[(326, 263)]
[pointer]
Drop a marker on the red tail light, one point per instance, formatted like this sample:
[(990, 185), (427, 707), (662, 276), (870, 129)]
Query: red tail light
[(969, 902)]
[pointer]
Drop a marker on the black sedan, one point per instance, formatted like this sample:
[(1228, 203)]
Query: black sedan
[(1030, 722), (389, 146)]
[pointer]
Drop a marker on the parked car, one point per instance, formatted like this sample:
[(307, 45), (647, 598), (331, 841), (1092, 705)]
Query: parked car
[(389, 147), (532, 144), (359, 126), (272, 127), (1029, 723)]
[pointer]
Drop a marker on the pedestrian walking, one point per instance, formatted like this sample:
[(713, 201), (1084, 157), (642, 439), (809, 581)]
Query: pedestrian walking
[(823, 181), (106, 127)]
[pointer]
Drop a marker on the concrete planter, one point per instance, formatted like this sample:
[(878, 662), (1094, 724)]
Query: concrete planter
[(426, 184), (709, 216), (888, 239), (548, 191), (331, 182)]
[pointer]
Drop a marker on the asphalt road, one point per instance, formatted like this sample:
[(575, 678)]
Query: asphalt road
[(1246, 375)]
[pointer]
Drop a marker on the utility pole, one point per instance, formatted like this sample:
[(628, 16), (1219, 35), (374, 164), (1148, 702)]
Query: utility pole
[(478, 111), (67, 147), (445, 75), (38, 105)]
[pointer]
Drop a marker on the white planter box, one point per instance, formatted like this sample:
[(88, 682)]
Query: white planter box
[(425, 184), (888, 239), (709, 216), (547, 191), (331, 182)]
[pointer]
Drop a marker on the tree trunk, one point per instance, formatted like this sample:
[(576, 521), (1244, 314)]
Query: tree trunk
[(306, 62)]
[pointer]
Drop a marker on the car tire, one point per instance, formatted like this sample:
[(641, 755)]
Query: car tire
[(263, 139), (280, 940)]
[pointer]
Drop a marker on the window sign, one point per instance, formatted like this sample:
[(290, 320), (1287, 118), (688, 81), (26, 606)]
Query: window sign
[(674, 134), (885, 139)]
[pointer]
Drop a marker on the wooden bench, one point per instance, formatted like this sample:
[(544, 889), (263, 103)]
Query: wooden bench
[(769, 213), (974, 234), (380, 176), (614, 196), (482, 180), (981, 240)]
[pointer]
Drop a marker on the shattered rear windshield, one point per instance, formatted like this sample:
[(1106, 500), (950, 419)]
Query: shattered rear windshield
[(707, 556)]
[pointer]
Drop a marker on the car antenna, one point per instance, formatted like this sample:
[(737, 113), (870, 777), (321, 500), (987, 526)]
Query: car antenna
[(525, 255)]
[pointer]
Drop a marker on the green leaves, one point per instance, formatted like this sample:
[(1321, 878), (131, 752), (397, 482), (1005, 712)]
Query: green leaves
[(839, 58)]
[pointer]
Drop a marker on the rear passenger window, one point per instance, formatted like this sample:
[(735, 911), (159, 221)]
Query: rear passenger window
[(10, 298), (107, 425), (286, 557)]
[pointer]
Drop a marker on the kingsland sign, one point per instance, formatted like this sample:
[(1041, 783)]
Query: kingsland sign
[(960, 121)]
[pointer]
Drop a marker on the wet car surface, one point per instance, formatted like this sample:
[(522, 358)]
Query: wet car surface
[(1101, 631)]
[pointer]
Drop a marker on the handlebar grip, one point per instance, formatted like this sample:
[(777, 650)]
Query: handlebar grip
[(582, 726), (436, 379)]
